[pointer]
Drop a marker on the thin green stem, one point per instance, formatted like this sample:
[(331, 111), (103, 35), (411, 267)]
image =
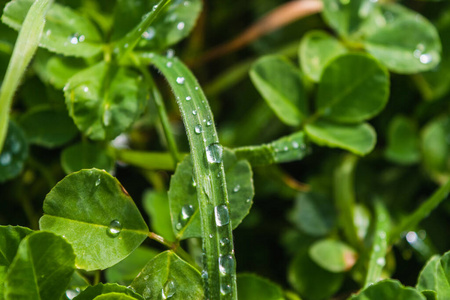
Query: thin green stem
[(26, 45), (147, 160)]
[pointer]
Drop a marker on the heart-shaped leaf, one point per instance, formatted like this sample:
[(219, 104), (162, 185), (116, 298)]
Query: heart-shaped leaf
[(93, 211)]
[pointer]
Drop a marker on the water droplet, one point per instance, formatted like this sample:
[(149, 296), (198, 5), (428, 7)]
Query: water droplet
[(205, 275), (179, 226), (248, 200), (186, 212), (411, 237), (208, 123), (295, 145), (376, 248), (211, 236), (169, 289), (5, 158), (194, 184), (48, 32), (180, 26), (76, 38), (214, 153), (70, 294), (207, 187), (98, 181), (226, 264), (426, 58), (198, 129), (381, 261), (286, 148), (131, 288), (225, 289), (155, 6), (196, 88), (170, 54), (237, 188), (194, 112), (221, 214), (382, 234), (149, 33), (146, 277), (180, 80), (188, 98), (147, 294), (114, 228), (224, 241), (169, 64), (186, 3)]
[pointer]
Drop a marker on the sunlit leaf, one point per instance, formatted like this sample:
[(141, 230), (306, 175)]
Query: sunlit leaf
[(332, 255), (93, 291), (388, 290)]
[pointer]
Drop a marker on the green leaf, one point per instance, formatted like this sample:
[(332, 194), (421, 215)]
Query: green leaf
[(405, 42), (183, 195), (253, 287), (93, 291), (77, 284), (353, 88), (313, 213), (310, 280), (432, 277), (156, 204), (436, 147), (66, 31), (93, 211), (10, 238), (317, 49), (14, 153), (114, 296), (332, 255), (125, 271), (104, 100), (388, 290), (347, 16), (169, 276), (288, 148), (402, 141), (48, 126), (86, 155), (41, 269), (279, 82), (359, 138)]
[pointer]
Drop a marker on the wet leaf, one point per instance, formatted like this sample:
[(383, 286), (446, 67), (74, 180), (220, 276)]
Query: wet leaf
[(389, 290), (86, 155), (93, 291), (253, 287), (14, 153)]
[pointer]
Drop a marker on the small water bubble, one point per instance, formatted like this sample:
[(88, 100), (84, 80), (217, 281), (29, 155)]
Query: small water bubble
[(107, 115), (188, 98), (186, 212), (208, 123), (221, 214), (214, 153), (426, 58), (376, 248), (180, 80), (237, 188), (76, 38), (146, 277), (194, 184), (169, 289), (198, 129), (180, 26), (295, 145), (381, 261), (98, 181), (149, 33), (211, 236), (286, 148), (48, 32), (155, 6), (207, 187), (196, 88), (169, 64), (382, 234), (248, 200), (205, 275), (170, 53), (225, 289), (5, 158), (224, 241), (70, 294), (179, 226), (114, 228), (226, 264), (147, 293), (131, 288), (411, 237)]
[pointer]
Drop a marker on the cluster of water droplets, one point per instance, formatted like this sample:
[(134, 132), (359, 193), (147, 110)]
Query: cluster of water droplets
[(74, 39)]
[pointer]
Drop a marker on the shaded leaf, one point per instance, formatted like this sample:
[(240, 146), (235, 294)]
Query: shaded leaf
[(169, 276), (402, 141), (41, 269), (279, 82), (14, 153), (389, 290), (93, 211), (353, 88), (93, 291), (48, 127), (114, 296), (156, 204), (183, 195), (253, 287), (86, 155), (332, 255), (77, 284), (104, 100), (10, 238), (317, 49), (359, 138), (66, 31)]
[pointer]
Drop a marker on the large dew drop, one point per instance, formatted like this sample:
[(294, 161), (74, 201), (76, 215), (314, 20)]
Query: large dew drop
[(114, 228), (169, 289), (222, 215), (226, 264), (214, 153), (225, 289)]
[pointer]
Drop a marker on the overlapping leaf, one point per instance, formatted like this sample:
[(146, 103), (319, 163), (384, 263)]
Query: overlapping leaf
[(85, 156), (14, 153)]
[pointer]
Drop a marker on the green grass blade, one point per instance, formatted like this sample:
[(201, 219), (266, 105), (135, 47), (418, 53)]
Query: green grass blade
[(206, 153), (26, 45), (420, 213)]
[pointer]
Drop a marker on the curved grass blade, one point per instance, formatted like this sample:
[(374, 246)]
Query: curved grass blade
[(26, 45), (206, 153)]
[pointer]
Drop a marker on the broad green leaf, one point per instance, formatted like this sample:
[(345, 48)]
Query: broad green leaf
[(10, 238), (405, 42), (114, 296), (436, 147), (432, 277), (353, 88), (125, 271), (14, 153), (402, 141), (156, 204), (66, 31), (317, 49), (388, 290), (41, 269), (48, 126), (55, 69), (347, 16), (183, 195), (279, 82), (94, 212), (313, 213), (253, 287), (86, 155), (93, 291), (169, 276), (333, 255), (310, 280), (359, 138), (288, 148), (104, 100)]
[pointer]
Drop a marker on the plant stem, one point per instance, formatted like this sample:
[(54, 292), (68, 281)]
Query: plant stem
[(26, 45), (147, 160)]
